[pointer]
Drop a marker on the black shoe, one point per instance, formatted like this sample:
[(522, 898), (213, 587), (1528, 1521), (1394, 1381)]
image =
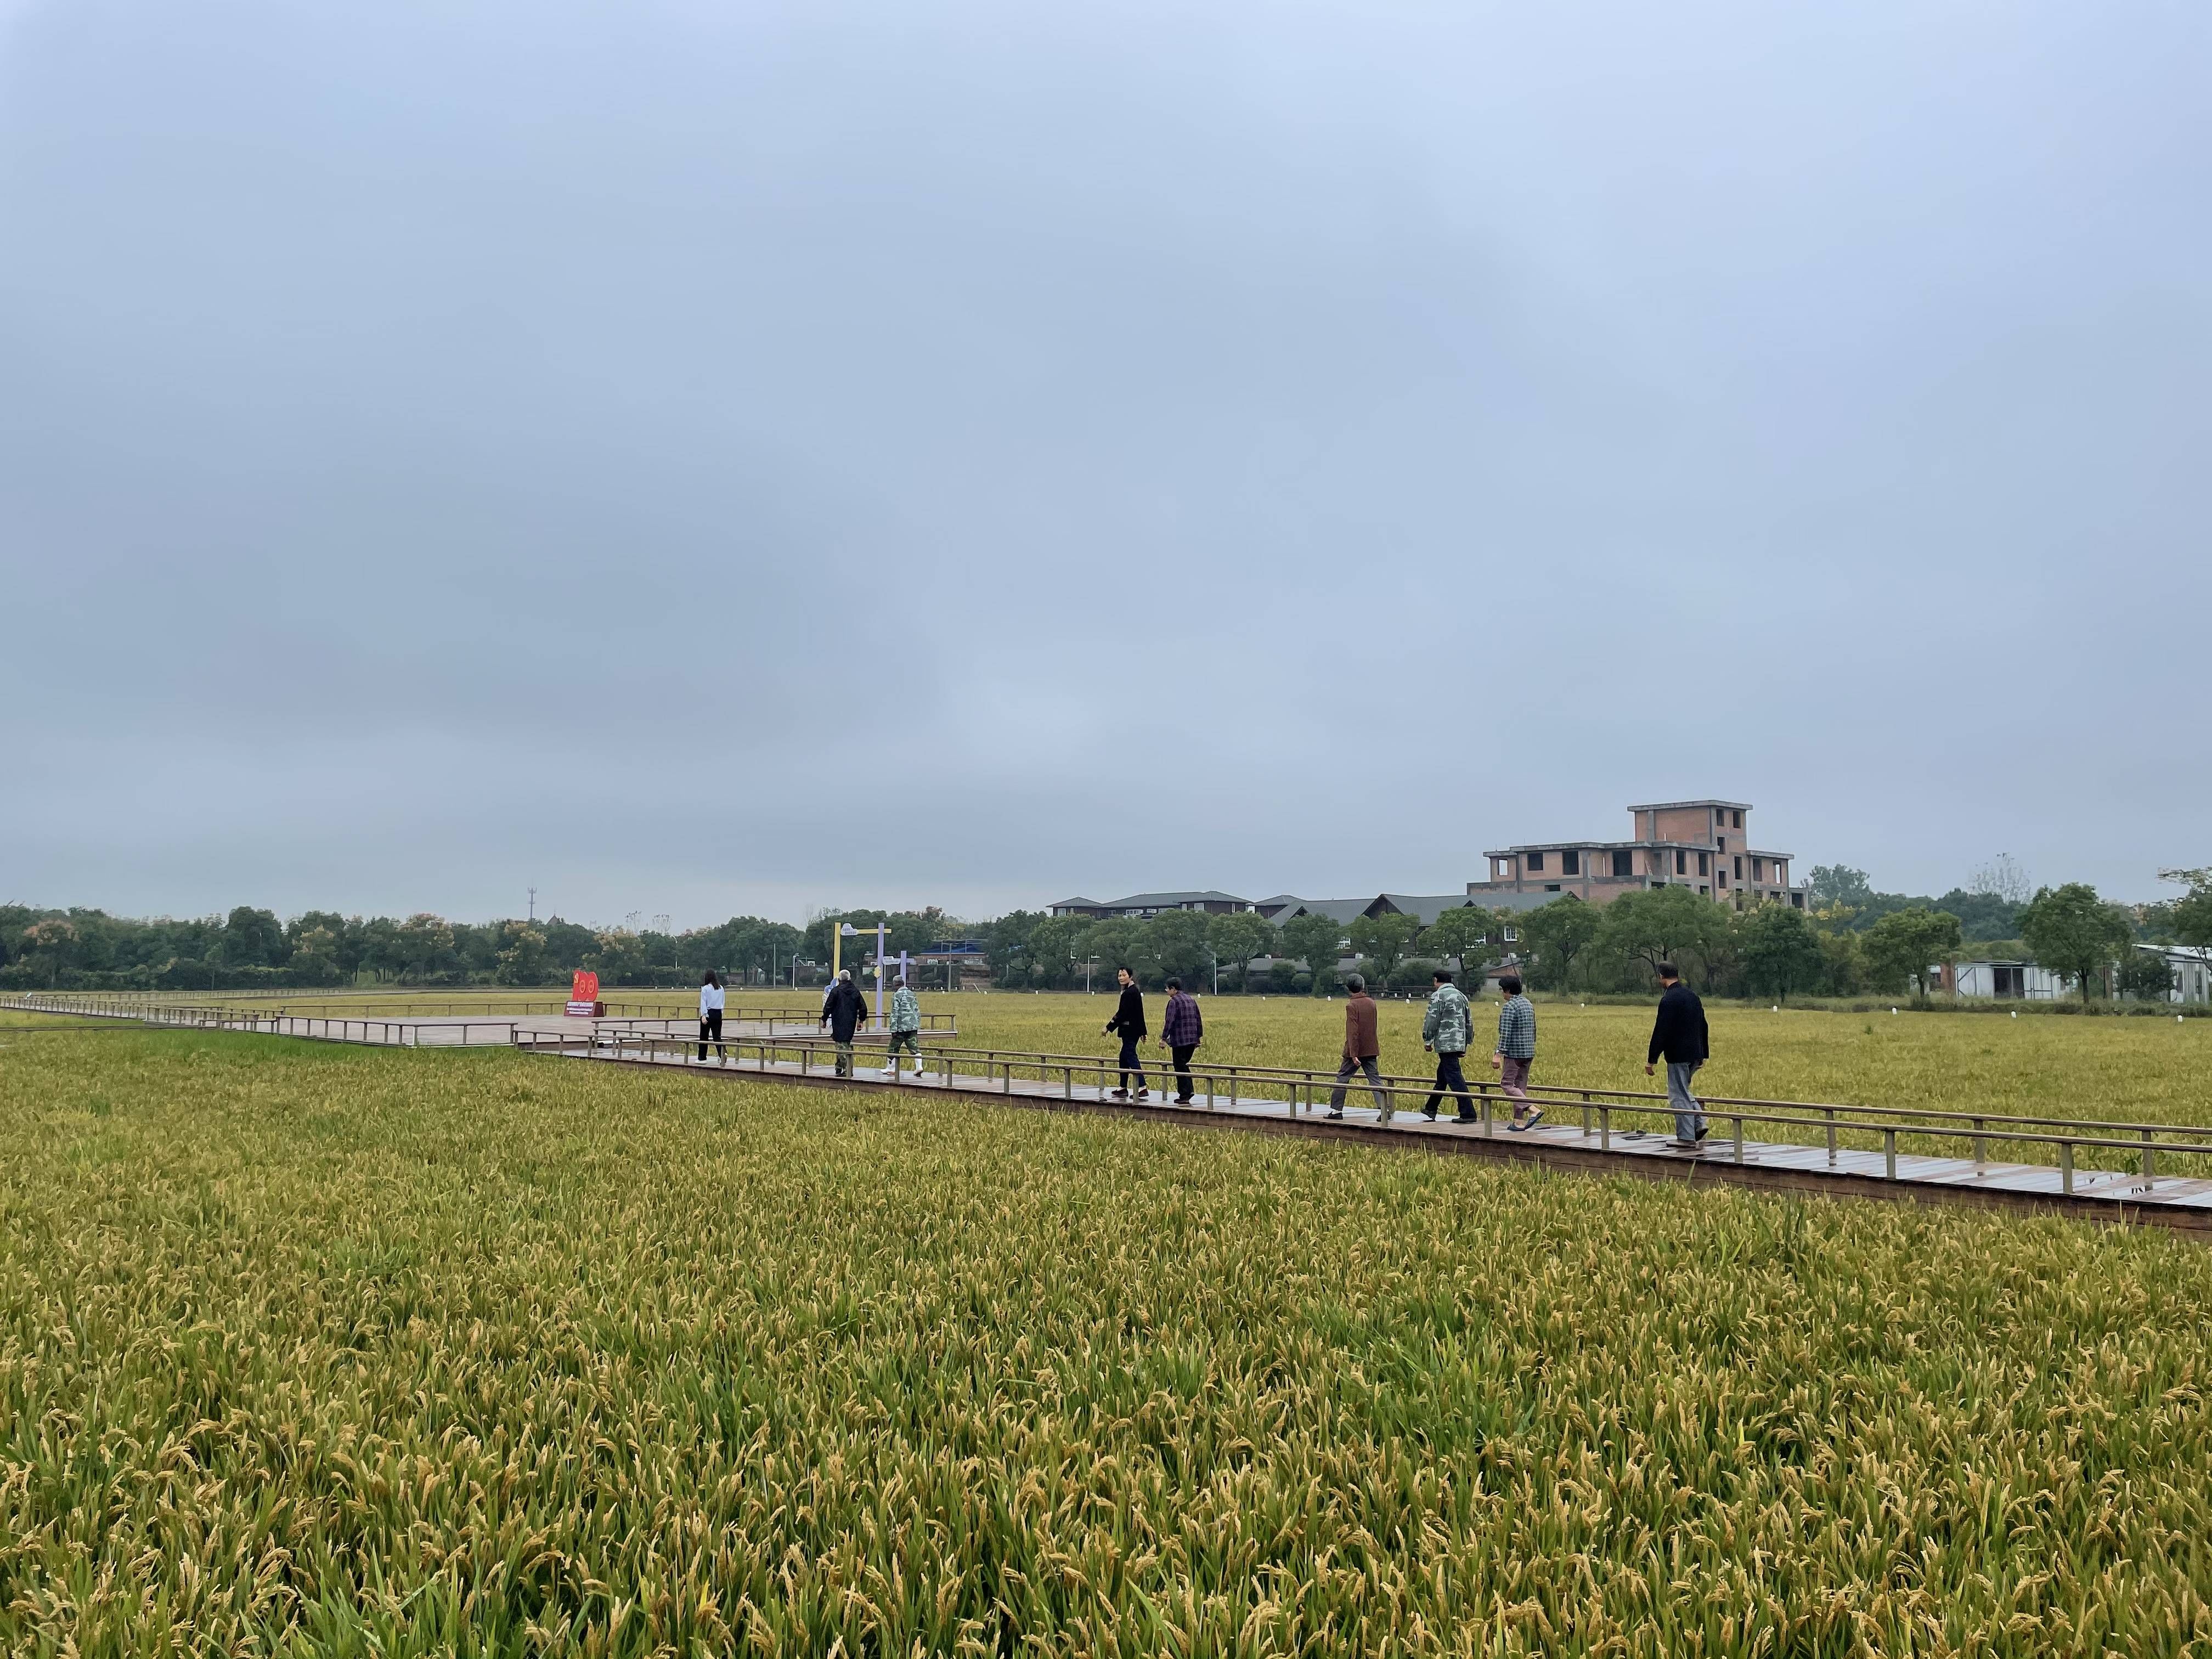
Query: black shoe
[(1118, 1094), (1536, 1116), (1704, 1129), (1338, 1112), (1142, 1094), (1430, 1113), (1467, 1117), (1183, 1100)]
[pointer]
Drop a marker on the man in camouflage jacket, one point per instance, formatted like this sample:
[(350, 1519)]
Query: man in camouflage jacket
[(1448, 1028), (906, 1030)]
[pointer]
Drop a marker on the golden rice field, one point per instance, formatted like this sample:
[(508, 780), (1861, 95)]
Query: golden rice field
[(307, 1349)]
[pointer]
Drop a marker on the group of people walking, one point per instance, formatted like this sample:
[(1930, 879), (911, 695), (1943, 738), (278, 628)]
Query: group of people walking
[(1679, 1037)]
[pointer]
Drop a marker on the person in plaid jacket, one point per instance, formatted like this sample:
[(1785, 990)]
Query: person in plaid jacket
[(1516, 1047), (1181, 1033)]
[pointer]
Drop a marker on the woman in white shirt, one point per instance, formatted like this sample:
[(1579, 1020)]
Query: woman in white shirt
[(710, 1014)]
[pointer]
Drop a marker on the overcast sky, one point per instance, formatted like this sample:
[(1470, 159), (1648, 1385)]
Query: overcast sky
[(711, 459)]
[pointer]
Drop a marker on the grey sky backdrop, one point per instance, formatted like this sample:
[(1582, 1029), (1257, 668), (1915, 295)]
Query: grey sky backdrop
[(707, 459)]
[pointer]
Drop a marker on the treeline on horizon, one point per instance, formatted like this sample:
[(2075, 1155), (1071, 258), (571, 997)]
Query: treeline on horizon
[(1853, 940)]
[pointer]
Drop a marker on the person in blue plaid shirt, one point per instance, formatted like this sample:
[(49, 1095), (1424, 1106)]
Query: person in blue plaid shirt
[(1181, 1033), (1516, 1047)]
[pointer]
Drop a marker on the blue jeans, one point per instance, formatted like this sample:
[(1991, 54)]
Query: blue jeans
[(1131, 1063), (1689, 1116)]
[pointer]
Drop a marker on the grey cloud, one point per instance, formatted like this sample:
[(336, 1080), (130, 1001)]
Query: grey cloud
[(713, 459)]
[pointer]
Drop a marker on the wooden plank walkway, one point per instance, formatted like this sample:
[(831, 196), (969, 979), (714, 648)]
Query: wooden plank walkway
[(2180, 1203)]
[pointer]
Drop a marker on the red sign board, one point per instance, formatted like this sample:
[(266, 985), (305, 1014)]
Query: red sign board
[(584, 993)]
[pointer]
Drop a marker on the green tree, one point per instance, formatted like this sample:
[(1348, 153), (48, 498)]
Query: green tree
[(1175, 943), (254, 939), (2146, 975), (522, 955), (1464, 934), (2073, 932), (1052, 948), (620, 957), (315, 956), (1552, 935), (1318, 942), (1007, 940), (1661, 924), (1238, 936), (1843, 961), (1781, 951), (49, 947), (1840, 884), (1902, 947), (1116, 942), (1384, 940), (424, 946), (2192, 915)]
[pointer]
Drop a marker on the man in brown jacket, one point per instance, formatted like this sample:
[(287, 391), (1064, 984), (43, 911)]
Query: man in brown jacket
[(1362, 1045)]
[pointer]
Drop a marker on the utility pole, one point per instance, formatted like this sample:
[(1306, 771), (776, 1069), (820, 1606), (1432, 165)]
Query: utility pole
[(533, 904)]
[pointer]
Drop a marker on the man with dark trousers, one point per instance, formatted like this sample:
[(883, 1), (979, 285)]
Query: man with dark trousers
[(1678, 1032), (1129, 1023), (1180, 1032), (842, 1011), (1447, 1029)]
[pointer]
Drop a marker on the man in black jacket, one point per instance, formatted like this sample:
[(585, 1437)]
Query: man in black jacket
[(842, 1011), (1679, 1033), (1129, 1021)]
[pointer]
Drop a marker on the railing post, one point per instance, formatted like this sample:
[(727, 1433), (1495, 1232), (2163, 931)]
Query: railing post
[(1831, 1113), (1889, 1154), (2147, 1176), (2066, 1167), (1739, 1137), (1605, 1128), (1981, 1145)]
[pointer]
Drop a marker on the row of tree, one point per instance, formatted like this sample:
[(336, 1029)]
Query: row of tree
[(1770, 950), (1836, 949), (251, 948)]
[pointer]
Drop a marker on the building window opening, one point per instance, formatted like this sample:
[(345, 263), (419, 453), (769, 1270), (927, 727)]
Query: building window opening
[(1735, 821), (1623, 865), (1704, 864), (1570, 864), (1681, 864), (1739, 867), (1535, 864)]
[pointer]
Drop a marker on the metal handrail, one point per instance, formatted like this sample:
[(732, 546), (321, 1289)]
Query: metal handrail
[(1000, 1065)]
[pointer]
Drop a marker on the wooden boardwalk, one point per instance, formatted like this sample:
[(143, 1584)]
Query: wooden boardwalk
[(1563, 1141)]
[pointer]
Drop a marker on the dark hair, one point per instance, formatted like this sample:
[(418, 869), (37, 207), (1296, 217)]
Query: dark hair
[(708, 978), (1123, 967), (1175, 985), (1442, 976), (1354, 982), (1667, 971), (1510, 983)]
